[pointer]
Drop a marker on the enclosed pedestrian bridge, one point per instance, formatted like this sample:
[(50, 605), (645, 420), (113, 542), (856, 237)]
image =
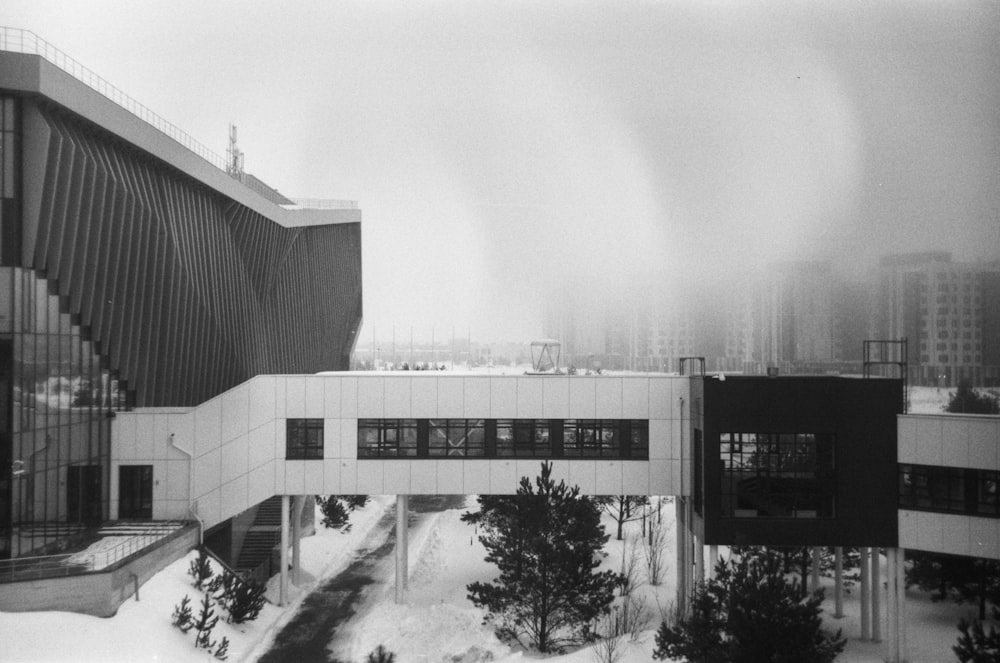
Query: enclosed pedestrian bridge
[(409, 432)]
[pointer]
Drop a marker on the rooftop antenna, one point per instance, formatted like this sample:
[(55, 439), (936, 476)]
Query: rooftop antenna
[(545, 356), (234, 156)]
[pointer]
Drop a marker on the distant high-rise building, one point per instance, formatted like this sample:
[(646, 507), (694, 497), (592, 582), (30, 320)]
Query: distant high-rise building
[(948, 311)]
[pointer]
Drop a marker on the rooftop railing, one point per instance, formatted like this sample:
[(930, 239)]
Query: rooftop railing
[(25, 41)]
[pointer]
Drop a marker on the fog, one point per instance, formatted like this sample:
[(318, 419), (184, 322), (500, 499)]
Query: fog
[(506, 154)]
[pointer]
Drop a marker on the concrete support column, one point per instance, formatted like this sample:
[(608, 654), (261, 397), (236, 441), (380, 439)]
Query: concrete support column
[(814, 571), (682, 564), (699, 560), (895, 606), (713, 559), (838, 582), (876, 591), (402, 545), (298, 504), (283, 582), (865, 595)]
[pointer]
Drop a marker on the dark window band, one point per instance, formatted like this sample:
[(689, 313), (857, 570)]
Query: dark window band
[(950, 490), (504, 438)]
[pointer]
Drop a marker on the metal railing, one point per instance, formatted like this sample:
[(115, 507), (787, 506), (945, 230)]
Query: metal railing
[(67, 564), (323, 203), (24, 41)]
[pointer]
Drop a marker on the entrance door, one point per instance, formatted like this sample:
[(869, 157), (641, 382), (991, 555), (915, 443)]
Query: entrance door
[(83, 494), (135, 492)]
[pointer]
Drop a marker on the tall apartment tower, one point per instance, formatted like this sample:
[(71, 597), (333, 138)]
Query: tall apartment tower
[(949, 312)]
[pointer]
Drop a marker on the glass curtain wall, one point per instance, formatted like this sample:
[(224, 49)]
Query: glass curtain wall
[(59, 406)]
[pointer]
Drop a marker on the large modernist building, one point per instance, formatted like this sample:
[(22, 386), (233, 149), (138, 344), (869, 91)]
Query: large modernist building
[(136, 272)]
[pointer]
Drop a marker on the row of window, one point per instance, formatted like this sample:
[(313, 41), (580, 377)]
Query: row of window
[(777, 475), (949, 489), (480, 438), (503, 438)]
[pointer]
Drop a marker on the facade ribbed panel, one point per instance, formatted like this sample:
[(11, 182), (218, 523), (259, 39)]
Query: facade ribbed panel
[(184, 292)]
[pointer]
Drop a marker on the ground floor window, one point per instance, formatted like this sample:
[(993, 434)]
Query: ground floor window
[(135, 492), (777, 475), (304, 439)]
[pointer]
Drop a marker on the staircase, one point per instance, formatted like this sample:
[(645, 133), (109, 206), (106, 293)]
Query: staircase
[(262, 537)]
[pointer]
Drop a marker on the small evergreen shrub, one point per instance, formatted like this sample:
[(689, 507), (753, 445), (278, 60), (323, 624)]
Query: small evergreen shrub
[(380, 655), (201, 569), (204, 624), (975, 645), (222, 652), (182, 617)]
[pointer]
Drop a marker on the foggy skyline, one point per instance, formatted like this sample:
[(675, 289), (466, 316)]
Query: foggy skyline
[(499, 150)]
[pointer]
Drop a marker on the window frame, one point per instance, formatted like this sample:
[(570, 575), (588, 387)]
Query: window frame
[(304, 439)]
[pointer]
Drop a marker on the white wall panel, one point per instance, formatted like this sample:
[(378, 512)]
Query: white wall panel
[(555, 404), (233, 496), (957, 534), (314, 477), (262, 400), (207, 472), (331, 397), (280, 397), (609, 398), (984, 440), (315, 398), (260, 449), (397, 398), (235, 459), (161, 437), (207, 426), (349, 438), (661, 399), (295, 476), (450, 477), (159, 481), (423, 477), (145, 434), (583, 473), (260, 483), (371, 397), (331, 438), (984, 537), (909, 529), (235, 413), (349, 398), (609, 478), (503, 477), (295, 397), (123, 433), (349, 477), (635, 398), (476, 476), (929, 442), (503, 398), (530, 395), (370, 477), (582, 397), (451, 397), (176, 479), (660, 443), (635, 477), (331, 477), (396, 477), (209, 508), (477, 398), (424, 397), (906, 440)]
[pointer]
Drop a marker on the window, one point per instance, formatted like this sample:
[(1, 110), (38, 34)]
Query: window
[(387, 438), (778, 475), (523, 438), (304, 439), (456, 437), (950, 489), (591, 438)]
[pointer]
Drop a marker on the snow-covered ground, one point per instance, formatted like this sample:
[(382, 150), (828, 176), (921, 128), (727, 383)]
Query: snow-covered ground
[(437, 624)]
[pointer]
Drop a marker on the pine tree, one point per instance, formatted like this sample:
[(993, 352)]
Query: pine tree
[(546, 541), (336, 510), (222, 652), (975, 645), (201, 569), (182, 617), (204, 624), (380, 655), (245, 600), (971, 401), (749, 613)]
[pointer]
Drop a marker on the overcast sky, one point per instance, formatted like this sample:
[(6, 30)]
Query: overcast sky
[(500, 149)]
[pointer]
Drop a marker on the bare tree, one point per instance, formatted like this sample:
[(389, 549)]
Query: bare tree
[(623, 508), (631, 560), (654, 548)]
